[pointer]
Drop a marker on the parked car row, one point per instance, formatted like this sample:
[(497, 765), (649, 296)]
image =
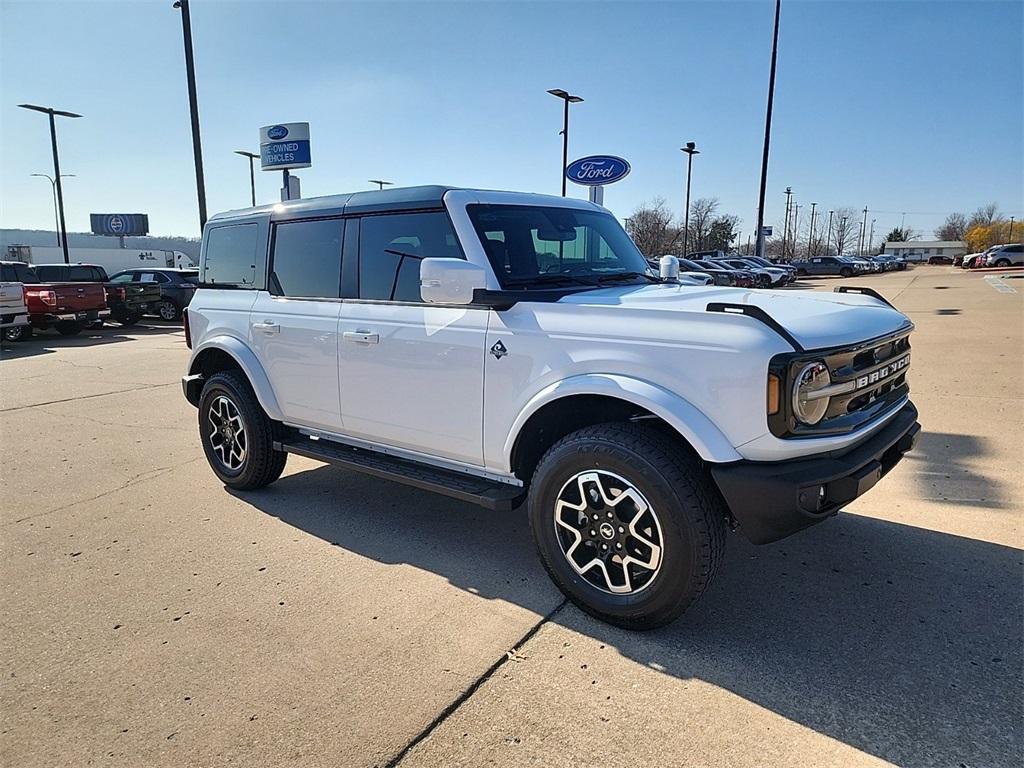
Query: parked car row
[(1006, 255), (848, 266), (71, 297)]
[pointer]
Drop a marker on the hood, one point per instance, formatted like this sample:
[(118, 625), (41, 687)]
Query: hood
[(817, 320)]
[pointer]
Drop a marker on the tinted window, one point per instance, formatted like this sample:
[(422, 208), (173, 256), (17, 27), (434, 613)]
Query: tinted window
[(230, 257), (52, 274), (1015, 249), (122, 277), (189, 277), (390, 250), (307, 258), (84, 275), (19, 273)]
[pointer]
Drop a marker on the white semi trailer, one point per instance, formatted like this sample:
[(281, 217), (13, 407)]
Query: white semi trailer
[(111, 259)]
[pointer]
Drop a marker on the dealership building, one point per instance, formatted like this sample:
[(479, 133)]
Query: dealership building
[(922, 250)]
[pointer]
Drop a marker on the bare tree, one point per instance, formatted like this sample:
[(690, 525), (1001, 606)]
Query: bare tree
[(845, 229), (953, 228), (652, 229), (702, 217), (984, 216)]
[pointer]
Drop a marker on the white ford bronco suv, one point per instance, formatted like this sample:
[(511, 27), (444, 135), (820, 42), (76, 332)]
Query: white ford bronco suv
[(500, 347)]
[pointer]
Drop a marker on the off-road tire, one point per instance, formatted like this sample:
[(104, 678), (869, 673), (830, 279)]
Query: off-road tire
[(689, 510), (262, 465), (18, 333), (68, 327)]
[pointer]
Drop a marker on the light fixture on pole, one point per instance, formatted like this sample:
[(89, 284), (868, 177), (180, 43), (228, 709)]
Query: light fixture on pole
[(51, 112), (690, 149), (767, 134), (252, 172), (380, 183), (568, 99), (53, 186), (193, 106)]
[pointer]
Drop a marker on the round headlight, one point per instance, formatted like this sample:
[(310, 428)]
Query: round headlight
[(809, 405)]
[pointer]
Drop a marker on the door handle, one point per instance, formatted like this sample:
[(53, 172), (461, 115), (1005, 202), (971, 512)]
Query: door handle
[(267, 326), (361, 337)]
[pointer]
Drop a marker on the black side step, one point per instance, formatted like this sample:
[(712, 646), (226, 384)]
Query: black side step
[(500, 497)]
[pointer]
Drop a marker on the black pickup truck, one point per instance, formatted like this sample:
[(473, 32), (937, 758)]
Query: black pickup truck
[(128, 301)]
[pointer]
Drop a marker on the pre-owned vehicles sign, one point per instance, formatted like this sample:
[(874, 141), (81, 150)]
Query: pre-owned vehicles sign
[(284, 145)]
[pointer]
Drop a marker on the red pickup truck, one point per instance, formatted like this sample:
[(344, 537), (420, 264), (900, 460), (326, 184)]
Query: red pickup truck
[(68, 307)]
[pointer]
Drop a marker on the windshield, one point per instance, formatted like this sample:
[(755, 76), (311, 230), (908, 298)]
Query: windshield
[(533, 246)]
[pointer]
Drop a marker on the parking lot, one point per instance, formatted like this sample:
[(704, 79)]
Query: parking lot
[(151, 618)]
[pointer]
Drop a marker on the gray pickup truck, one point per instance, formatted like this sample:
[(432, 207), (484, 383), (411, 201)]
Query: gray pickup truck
[(827, 265)]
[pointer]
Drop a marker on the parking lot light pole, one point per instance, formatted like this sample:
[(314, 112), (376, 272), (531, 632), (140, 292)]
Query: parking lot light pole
[(690, 149), (863, 231), (252, 172), (193, 105), (828, 240), (1009, 238), (810, 238), (767, 134), (568, 99), (785, 226), (871, 236), (380, 183), (56, 215), (51, 112)]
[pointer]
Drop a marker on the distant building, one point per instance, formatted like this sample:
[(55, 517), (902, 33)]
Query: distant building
[(922, 250)]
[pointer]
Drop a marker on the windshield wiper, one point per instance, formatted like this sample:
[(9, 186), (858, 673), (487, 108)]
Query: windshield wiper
[(551, 279), (628, 276)]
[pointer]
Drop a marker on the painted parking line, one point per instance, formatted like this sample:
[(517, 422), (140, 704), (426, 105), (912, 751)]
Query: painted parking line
[(999, 284)]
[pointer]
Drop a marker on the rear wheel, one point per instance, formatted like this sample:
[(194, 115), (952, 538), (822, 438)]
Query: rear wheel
[(168, 310), (237, 436), (801, 273), (18, 333), (1003, 263), (68, 328), (627, 524), (127, 318)]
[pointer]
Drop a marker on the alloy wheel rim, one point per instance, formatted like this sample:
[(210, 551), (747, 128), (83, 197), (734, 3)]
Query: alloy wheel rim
[(608, 532), (227, 433), (167, 311)]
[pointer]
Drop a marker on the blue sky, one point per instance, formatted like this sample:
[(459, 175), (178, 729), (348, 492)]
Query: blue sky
[(899, 106)]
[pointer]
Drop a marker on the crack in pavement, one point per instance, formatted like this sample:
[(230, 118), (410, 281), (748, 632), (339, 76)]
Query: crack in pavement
[(88, 397), (463, 697), (149, 474)]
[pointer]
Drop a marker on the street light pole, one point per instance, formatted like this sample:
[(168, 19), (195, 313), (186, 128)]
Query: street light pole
[(810, 238), (863, 231), (380, 183), (53, 188), (785, 226), (767, 134), (51, 112), (567, 98), (193, 105), (1010, 236), (690, 149), (252, 172), (871, 237)]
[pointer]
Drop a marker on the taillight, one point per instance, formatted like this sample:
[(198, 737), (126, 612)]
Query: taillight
[(120, 293), (188, 332), (48, 297)]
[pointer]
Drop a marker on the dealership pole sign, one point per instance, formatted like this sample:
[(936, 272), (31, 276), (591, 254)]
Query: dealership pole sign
[(597, 170), (119, 224), (284, 146)]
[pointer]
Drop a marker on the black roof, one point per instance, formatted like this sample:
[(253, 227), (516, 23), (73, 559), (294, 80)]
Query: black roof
[(369, 201)]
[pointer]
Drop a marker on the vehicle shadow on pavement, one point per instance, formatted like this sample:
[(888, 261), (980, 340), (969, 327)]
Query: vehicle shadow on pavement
[(44, 342), (902, 642), (941, 468)]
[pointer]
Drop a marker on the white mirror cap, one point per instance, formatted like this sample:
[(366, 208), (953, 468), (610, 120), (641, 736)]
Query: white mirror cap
[(450, 281), (669, 268)]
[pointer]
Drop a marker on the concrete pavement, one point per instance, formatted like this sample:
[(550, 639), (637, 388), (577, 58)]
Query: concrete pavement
[(149, 617)]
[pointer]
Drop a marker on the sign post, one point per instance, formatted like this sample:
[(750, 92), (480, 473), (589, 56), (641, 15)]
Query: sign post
[(283, 147), (595, 172)]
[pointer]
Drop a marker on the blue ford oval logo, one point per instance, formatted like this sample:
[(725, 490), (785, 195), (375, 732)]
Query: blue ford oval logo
[(277, 132), (597, 170)]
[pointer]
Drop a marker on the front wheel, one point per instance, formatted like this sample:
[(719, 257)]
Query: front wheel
[(845, 272), (237, 436), (801, 273), (627, 524)]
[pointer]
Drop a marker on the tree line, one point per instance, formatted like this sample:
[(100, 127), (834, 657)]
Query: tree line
[(981, 230), (657, 231)]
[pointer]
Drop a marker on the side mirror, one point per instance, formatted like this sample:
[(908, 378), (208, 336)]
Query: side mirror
[(450, 281)]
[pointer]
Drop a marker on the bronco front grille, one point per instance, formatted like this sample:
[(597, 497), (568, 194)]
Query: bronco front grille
[(867, 380)]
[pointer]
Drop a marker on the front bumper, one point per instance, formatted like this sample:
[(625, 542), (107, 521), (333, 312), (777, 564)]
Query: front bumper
[(771, 500)]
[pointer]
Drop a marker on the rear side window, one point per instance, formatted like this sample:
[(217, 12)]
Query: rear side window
[(84, 275), (230, 255), (391, 248), (52, 274), (307, 259), (18, 273), (123, 277)]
